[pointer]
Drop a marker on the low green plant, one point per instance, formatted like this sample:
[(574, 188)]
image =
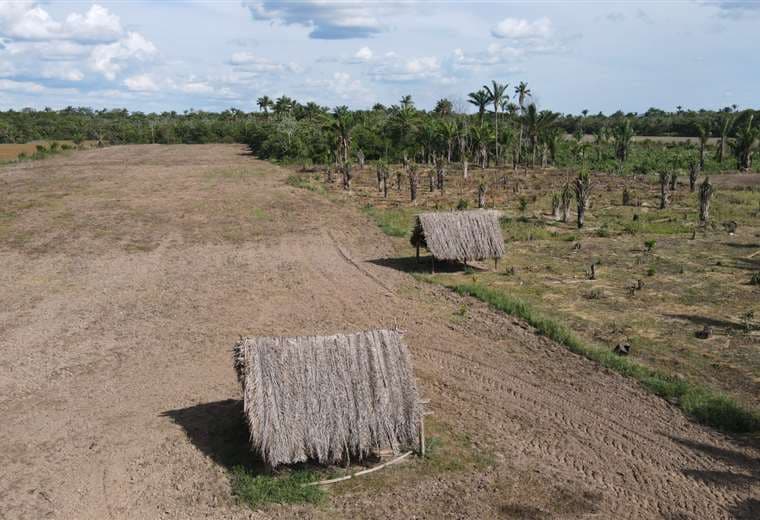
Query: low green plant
[(393, 222), (463, 204), (651, 271), (258, 490), (649, 245), (305, 182), (755, 279)]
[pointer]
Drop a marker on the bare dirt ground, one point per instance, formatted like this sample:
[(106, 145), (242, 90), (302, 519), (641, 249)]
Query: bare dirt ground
[(128, 273)]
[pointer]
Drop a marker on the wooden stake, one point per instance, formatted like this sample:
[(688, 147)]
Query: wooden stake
[(422, 436)]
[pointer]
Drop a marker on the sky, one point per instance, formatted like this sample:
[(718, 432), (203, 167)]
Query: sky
[(212, 55)]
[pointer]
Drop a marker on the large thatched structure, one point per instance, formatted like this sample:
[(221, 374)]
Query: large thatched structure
[(328, 398), (459, 235)]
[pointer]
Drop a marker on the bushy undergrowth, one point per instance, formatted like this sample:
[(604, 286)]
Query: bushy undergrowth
[(702, 403)]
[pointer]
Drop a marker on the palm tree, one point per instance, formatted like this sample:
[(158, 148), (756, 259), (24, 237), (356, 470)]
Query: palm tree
[(535, 122), (406, 101), (283, 105), (443, 107), (264, 103), (479, 99), (622, 134), (703, 132), (402, 125), (496, 94), (522, 91), (744, 146), (480, 138), (582, 193), (448, 130), (341, 124), (726, 122)]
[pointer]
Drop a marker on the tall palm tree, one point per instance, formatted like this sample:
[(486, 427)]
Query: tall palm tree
[(342, 124), (480, 99), (522, 91), (703, 132), (448, 131), (496, 93), (726, 122), (535, 122), (744, 146), (406, 101), (622, 134), (264, 103)]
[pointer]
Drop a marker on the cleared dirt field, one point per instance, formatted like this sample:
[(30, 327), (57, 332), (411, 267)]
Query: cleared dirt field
[(129, 272)]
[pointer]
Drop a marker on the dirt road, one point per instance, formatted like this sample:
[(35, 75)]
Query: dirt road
[(128, 273)]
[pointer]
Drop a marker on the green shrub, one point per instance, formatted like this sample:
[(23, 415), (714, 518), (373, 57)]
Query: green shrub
[(755, 279)]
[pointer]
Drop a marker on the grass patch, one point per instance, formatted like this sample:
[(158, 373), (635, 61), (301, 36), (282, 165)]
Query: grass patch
[(306, 183), (258, 490), (393, 222), (703, 404)]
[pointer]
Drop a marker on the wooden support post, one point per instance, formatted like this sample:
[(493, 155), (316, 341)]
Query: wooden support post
[(422, 436), (496, 264), (418, 253)]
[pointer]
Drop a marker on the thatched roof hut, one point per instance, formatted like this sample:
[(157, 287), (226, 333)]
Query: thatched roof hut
[(460, 235), (328, 398)]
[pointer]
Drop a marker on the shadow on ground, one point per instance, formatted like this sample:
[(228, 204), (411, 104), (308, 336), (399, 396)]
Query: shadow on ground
[(745, 473), (410, 264), (704, 320), (219, 430)]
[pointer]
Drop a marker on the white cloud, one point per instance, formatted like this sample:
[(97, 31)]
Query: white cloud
[(393, 69), (62, 70), (521, 29), (249, 62), (141, 83), (363, 54), (26, 20), (109, 59), (329, 20), (196, 87), (98, 24), (24, 87), (342, 85)]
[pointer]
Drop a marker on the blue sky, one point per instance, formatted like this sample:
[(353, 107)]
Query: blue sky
[(164, 55)]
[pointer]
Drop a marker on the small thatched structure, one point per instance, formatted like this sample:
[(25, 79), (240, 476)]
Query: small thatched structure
[(328, 398), (459, 235)]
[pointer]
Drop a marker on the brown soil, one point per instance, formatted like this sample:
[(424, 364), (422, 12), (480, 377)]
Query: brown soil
[(129, 272)]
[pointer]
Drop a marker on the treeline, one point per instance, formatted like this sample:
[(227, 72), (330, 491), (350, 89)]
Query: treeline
[(119, 126), (505, 130)]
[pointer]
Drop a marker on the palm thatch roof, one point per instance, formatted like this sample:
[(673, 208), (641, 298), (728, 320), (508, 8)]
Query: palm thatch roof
[(327, 398), (460, 235)]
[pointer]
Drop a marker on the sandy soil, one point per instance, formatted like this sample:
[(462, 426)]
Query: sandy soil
[(127, 274)]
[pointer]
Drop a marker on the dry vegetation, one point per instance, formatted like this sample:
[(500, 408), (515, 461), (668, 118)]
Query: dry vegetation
[(658, 277)]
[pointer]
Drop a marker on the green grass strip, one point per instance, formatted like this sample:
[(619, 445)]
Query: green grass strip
[(257, 490), (703, 404)]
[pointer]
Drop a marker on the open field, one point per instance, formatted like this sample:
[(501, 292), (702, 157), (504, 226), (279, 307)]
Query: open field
[(129, 272)]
